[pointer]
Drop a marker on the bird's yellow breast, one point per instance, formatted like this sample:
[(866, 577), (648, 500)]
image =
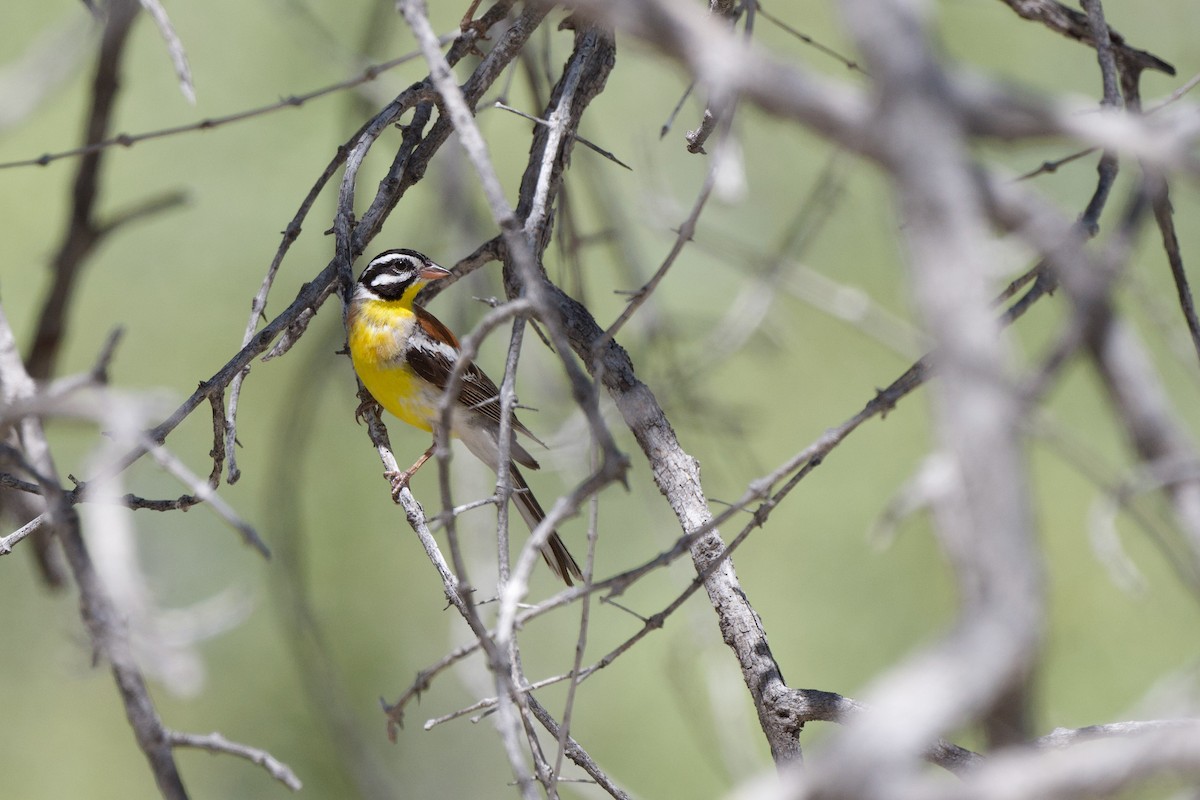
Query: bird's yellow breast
[(378, 333)]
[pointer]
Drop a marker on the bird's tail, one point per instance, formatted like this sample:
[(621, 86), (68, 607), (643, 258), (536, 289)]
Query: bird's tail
[(554, 550)]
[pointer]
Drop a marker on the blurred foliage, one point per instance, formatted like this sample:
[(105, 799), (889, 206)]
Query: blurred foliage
[(671, 718)]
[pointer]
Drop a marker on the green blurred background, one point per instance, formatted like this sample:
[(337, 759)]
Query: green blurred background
[(671, 718)]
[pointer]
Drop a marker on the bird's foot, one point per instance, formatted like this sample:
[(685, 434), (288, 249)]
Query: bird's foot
[(399, 480), (364, 407)]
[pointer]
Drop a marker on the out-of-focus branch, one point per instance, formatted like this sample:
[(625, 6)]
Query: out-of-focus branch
[(718, 106), (83, 233), (1133, 386), (124, 140), (99, 616), (983, 511), (83, 229), (23, 407), (1093, 767), (1141, 404), (174, 47), (946, 206), (1164, 216), (1075, 25), (842, 113), (1064, 737), (216, 743)]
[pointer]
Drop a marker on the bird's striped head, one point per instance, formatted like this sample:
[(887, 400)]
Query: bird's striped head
[(397, 275)]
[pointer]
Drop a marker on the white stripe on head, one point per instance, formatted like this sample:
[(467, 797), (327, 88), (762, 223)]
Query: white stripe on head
[(396, 258), (389, 278)]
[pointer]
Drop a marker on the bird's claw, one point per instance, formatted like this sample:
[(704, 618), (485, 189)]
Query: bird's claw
[(363, 408)]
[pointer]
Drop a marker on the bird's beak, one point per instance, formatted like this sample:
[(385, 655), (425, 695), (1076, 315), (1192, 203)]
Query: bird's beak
[(434, 273)]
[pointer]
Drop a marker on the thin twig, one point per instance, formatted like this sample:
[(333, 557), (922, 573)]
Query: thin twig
[(585, 142), (206, 493), (292, 101), (1074, 25), (174, 47), (35, 524), (1164, 218), (847, 62), (216, 743), (686, 230)]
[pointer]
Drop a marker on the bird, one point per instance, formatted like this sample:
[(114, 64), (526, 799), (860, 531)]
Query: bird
[(404, 357)]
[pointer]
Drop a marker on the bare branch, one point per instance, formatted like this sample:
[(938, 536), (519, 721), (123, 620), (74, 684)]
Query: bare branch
[(206, 494), (585, 142), (99, 616), (1164, 218), (174, 47), (368, 74), (841, 114), (216, 743), (1074, 25), (7, 543), (83, 232)]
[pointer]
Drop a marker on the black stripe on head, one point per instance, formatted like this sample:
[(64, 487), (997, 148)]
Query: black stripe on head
[(392, 272)]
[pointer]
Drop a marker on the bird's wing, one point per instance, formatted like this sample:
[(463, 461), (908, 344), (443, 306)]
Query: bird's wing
[(435, 361)]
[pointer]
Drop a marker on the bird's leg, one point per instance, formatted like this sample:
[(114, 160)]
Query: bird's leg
[(400, 479)]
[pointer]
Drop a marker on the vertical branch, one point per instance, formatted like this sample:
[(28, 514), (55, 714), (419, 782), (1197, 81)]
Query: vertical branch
[(1164, 217), (676, 473), (81, 237), (83, 229), (718, 106), (520, 249), (1130, 380), (983, 513), (100, 617), (583, 79), (1102, 40)]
